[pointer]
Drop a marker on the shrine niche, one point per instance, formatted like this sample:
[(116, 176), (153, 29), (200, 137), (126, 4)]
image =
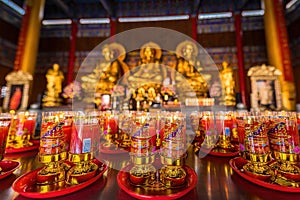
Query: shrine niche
[(18, 88), (265, 88)]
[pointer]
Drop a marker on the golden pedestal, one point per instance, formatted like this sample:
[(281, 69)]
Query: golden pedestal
[(83, 169), (54, 170), (143, 172), (172, 174)]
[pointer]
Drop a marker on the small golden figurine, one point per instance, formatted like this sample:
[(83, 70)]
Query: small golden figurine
[(228, 85), (55, 78)]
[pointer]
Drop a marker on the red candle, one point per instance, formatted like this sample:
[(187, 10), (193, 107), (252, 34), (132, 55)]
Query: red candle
[(85, 130), (29, 123), (67, 129), (4, 127)]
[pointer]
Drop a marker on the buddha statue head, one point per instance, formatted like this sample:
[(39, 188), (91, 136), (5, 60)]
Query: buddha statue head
[(107, 53)]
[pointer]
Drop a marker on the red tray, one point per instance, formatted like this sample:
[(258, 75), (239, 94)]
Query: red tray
[(26, 184), (111, 151), (8, 167), (213, 152), (35, 146), (166, 194), (238, 163), (221, 154)]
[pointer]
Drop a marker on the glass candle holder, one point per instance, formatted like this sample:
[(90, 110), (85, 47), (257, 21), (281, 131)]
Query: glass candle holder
[(52, 151), (84, 136), (52, 136), (143, 172), (224, 125), (255, 147), (109, 129), (5, 120), (284, 142), (158, 132), (67, 128), (21, 130), (173, 149), (195, 125), (208, 129), (124, 127)]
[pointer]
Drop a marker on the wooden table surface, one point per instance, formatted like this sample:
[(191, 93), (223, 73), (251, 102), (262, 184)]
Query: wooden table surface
[(216, 180)]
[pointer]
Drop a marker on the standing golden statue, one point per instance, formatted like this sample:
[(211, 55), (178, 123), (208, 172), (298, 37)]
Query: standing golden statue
[(55, 79), (228, 85), (189, 66)]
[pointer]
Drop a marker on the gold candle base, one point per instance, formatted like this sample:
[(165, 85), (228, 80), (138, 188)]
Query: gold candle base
[(141, 160), (49, 158), (83, 170), (172, 176), (224, 142), (290, 157), (142, 174), (259, 158), (209, 142), (52, 173), (17, 142), (259, 171), (50, 187), (286, 167)]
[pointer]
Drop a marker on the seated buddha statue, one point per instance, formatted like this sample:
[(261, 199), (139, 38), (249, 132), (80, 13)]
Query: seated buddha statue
[(148, 69), (189, 67), (107, 72), (111, 69)]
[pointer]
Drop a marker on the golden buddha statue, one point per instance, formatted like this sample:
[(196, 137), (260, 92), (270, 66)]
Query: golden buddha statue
[(148, 68), (228, 85), (148, 75), (107, 72), (189, 66), (54, 78)]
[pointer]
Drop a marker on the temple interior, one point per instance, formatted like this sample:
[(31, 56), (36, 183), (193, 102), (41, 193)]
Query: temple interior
[(195, 66)]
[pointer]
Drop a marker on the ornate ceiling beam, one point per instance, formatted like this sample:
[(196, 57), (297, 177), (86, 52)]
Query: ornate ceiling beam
[(108, 6), (65, 8), (240, 5), (196, 6)]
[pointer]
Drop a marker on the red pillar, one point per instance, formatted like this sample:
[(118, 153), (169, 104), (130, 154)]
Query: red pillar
[(194, 27), (72, 52), (112, 26), (22, 38), (240, 57)]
